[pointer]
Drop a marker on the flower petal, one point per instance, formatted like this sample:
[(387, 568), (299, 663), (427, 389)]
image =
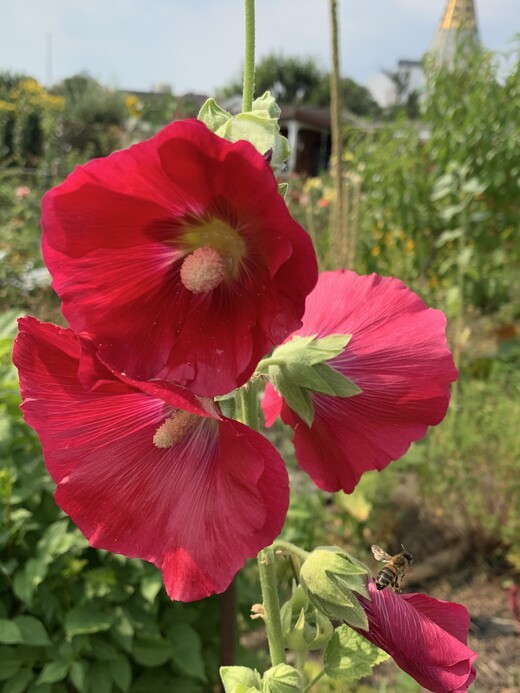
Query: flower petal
[(398, 356), (113, 242), (426, 637), (197, 509)]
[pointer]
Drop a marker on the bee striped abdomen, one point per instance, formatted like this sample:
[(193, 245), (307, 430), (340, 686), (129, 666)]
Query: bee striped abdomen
[(386, 576)]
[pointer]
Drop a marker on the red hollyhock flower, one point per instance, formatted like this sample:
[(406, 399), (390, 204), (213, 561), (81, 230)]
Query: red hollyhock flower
[(398, 357), (178, 258), (426, 637), (148, 470)]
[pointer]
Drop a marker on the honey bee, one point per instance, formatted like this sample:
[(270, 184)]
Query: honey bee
[(391, 575)]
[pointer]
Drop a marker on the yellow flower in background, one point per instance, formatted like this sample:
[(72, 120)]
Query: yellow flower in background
[(347, 156), (409, 246), (133, 105), (389, 239), (376, 250), (313, 184)]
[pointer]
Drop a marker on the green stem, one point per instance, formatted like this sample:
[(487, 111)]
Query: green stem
[(291, 549), (300, 659), (273, 623), (314, 680), (249, 57), (336, 126)]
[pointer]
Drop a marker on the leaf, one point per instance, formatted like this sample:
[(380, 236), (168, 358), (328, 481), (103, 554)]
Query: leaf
[(187, 650), (121, 672), (86, 619), (151, 585), (152, 652), (54, 671), (33, 631), (10, 632), (79, 675), (99, 681), (18, 682), (349, 656)]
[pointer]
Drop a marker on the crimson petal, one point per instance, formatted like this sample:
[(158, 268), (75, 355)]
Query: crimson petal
[(398, 356), (426, 637), (197, 510), (113, 241)]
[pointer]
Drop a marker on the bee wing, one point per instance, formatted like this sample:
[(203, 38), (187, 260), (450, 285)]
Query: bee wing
[(379, 554)]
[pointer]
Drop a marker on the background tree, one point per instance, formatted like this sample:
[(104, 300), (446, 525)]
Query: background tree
[(299, 81)]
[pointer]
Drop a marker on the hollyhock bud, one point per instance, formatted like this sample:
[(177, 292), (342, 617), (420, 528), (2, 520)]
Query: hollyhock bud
[(304, 627), (240, 680), (331, 578)]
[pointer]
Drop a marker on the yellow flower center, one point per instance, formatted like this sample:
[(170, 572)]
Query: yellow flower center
[(174, 429)]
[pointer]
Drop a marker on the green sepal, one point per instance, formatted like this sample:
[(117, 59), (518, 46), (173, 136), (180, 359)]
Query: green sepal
[(298, 368), (282, 189), (331, 579), (349, 656), (304, 627), (240, 679), (282, 679), (258, 126)]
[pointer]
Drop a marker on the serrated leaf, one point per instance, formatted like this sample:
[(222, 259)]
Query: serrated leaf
[(10, 632), (187, 650), (349, 656), (53, 672), (33, 631)]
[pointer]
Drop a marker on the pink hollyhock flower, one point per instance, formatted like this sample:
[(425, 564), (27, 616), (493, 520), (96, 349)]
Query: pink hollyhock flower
[(398, 357), (178, 258), (149, 470), (22, 191), (426, 637)]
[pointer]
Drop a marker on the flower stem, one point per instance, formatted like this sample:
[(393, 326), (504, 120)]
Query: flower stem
[(291, 549), (273, 623), (314, 680), (249, 57)]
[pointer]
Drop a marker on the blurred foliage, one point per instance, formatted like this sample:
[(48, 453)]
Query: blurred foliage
[(29, 120), (299, 81), (93, 117)]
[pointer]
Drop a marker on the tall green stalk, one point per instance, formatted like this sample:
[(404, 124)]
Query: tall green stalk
[(249, 57)]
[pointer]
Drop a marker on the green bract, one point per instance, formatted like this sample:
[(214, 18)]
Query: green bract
[(331, 579), (298, 368), (259, 126), (240, 680), (304, 627), (282, 679), (351, 656)]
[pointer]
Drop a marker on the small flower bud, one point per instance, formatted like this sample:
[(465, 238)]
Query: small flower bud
[(282, 679), (240, 679), (330, 578), (304, 627)]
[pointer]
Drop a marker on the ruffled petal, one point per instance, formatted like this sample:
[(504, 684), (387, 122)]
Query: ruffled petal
[(113, 242), (399, 358), (426, 637), (197, 509)]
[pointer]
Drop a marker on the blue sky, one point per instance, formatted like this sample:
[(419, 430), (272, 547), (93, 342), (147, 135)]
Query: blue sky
[(196, 45)]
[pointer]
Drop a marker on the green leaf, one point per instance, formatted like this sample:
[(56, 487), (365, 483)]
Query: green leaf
[(86, 619), (99, 681), (212, 115), (349, 656), (10, 632), (121, 672), (53, 672), (18, 682), (79, 675), (298, 398), (187, 650), (152, 652), (33, 631), (151, 585)]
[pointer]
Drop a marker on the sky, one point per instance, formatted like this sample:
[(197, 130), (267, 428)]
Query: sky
[(197, 45)]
